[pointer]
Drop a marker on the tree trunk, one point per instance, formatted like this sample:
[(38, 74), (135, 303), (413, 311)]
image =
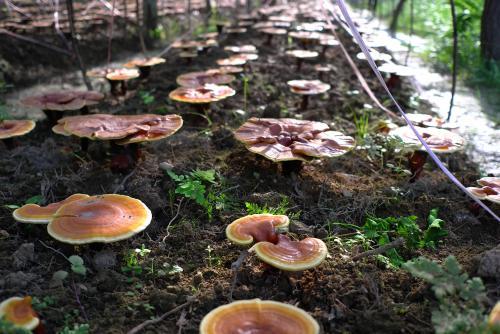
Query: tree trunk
[(490, 30), (395, 16), (150, 14)]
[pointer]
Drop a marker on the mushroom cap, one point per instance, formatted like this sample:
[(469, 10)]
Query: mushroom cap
[(288, 139), (122, 74), (291, 255), (234, 60), (248, 48), (196, 79), (323, 68), (308, 87), (18, 311), (257, 316), (188, 54), (210, 35), (236, 30), (128, 128), (489, 190), (377, 56), (36, 214), (202, 94), (144, 62), (227, 70), (63, 100), (273, 31), (328, 41), (439, 140), (255, 228), (98, 72), (305, 35), (14, 128), (102, 218), (494, 317), (302, 54), (425, 120), (311, 26), (400, 70), (282, 18)]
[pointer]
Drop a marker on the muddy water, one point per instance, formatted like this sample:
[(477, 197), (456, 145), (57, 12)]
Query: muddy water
[(472, 111)]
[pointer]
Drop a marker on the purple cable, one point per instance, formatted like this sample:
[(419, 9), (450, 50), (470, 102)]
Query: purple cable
[(364, 48)]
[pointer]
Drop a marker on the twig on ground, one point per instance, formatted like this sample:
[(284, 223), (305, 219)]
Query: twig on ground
[(53, 249), (77, 297), (382, 249), (125, 179), (172, 220), (235, 267), (146, 323)]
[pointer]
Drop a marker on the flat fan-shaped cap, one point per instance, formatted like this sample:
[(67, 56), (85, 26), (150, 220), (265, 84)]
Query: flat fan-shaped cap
[(202, 94), (65, 100), (254, 228), (123, 74), (439, 140), (14, 128), (236, 30), (425, 120), (257, 316), (400, 70), (102, 218), (235, 60), (302, 54), (227, 70), (36, 214), (18, 311), (291, 255), (241, 49), (288, 139), (489, 190), (273, 31), (144, 62), (308, 87), (377, 56), (305, 35), (196, 79)]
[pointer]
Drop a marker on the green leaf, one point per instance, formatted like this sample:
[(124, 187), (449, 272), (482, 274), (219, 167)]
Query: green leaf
[(37, 199), (204, 175), (76, 260), (11, 206), (77, 265)]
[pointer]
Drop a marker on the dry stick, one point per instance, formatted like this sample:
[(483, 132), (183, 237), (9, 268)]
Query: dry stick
[(110, 36), (33, 41), (74, 42), (399, 242), (77, 297), (146, 323), (139, 25), (455, 55), (172, 220), (235, 267), (125, 179)]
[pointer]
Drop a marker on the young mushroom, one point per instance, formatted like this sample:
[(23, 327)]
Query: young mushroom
[(301, 55), (14, 128), (144, 65), (292, 141), (19, 312), (196, 79), (255, 228), (36, 214), (54, 104), (307, 88), (258, 316), (118, 80), (490, 189), (290, 255), (103, 218), (439, 141)]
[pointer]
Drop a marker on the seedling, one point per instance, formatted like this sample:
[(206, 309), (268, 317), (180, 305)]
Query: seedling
[(134, 259), (37, 199), (282, 209), (77, 265), (147, 97), (211, 259), (77, 329)]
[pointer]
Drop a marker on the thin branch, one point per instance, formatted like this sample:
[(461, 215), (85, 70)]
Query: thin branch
[(34, 41), (455, 56), (53, 249), (235, 267), (110, 36), (399, 242), (173, 219), (77, 297)]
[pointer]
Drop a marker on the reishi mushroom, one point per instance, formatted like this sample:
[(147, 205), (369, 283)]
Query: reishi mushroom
[(292, 140), (429, 121), (300, 55), (196, 79), (144, 65), (258, 316), (307, 88), (36, 214), (255, 228), (118, 78), (14, 128), (102, 218), (18, 311), (490, 189)]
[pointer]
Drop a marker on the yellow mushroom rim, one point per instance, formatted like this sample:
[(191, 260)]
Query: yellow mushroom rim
[(439, 140), (494, 317), (14, 128), (122, 74), (259, 227), (144, 62), (489, 190), (18, 311), (258, 316), (291, 255), (36, 214), (202, 94), (103, 218)]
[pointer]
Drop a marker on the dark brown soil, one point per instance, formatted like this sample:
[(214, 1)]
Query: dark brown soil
[(344, 296)]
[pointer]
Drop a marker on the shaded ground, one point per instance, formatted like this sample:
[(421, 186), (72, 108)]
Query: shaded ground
[(344, 296)]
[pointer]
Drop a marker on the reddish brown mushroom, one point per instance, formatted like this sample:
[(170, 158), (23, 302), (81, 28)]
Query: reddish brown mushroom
[(19, 312), (494, 317), (489, 190), (257, 316), (270, 32), (301, 55), (255, 228), (226, 70), (425, 120), (235, 60), (118, 80), (14, 128), (201, 94), (54, 104), (307, 88), (144, 65), (196, 79), (282, 140)]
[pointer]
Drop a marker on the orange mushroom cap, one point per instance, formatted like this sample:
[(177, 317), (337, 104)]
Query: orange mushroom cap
[(291, 255), (36, 214), (196, 79), (439, 140), (63, 100), (494, 317), (291, 139), (144, 62), (127, 128), (122, 74), (18, 311), (308, 87), (255, 228), (14, 128), (258, 316), (102, 218), (202, 94)]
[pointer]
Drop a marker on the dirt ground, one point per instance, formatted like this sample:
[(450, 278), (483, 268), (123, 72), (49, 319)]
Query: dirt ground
[(343, 295)]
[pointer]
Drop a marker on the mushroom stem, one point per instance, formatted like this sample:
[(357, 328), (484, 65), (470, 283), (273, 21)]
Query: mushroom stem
[(53, 116), (124, 157), (144, 72), (299, 64), (219, 26), (9, 143), (269, 39), (305, 102), (416, 162), (323, 51), (291, 167), (394, 81)]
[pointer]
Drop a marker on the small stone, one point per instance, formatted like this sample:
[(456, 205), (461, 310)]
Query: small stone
[(18, 280), (489, 264), (321, 233), (4, 234), (24, 255), (300, 228), (197, 279), (104, 260), (163, 301)]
